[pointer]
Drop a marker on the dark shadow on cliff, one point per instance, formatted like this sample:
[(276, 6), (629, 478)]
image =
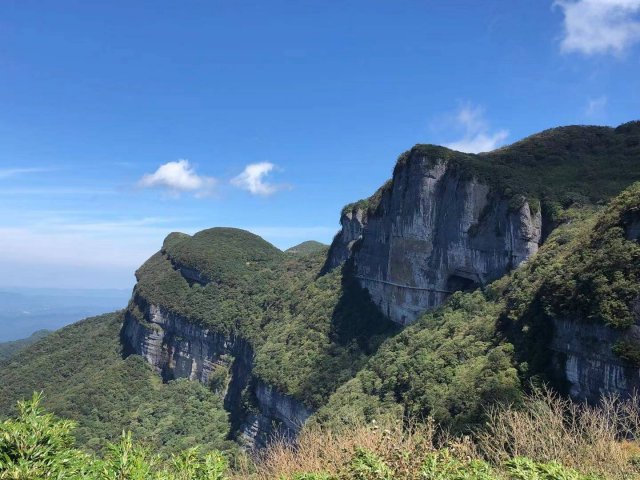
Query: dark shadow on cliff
[(358, 328), (338, 252), (356, 318), (531, 335)]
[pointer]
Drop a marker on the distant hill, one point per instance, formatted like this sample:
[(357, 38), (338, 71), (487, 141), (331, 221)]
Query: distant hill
[(310, 246), (9, 349)]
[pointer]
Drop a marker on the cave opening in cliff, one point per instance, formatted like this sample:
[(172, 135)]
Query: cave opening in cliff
[(459, 283)]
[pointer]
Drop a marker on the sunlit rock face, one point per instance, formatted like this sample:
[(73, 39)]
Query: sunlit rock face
[(433, 231)]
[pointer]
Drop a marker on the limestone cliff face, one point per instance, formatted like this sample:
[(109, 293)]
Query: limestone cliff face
[(583, 358), (177, 348), (433, 231), (352, 223)]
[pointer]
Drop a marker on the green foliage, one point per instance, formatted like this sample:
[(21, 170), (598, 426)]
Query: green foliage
[(441, 465), (600, 277), (450, 365), (190, 465), (366, 465), (305, 248), (38, 445), (321, 339), (628, 350), (526, 469), (127, 459), (81, 370), (9, 349), (226, 256)]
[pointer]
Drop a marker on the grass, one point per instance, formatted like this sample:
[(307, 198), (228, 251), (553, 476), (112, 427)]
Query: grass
[(547, 437), (598, 439)]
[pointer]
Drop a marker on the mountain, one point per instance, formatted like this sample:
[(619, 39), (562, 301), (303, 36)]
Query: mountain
[(261, 327), (310, 246), (8, 349), (461, 282), (451, 221)]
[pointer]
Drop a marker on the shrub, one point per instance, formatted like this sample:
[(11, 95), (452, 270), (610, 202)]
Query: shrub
[(366, 465), (37, 445), (442, 465)]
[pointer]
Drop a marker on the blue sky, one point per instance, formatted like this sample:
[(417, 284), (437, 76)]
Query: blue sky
[(122, 121)]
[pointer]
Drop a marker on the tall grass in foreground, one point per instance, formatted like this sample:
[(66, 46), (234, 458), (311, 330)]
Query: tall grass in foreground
[(529, 442), (601, 439)]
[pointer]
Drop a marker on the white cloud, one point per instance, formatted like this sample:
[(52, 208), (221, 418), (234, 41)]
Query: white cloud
[(14, 172), (476, 134), (596, 107), (253, 178), (599, 26), (177, 177)]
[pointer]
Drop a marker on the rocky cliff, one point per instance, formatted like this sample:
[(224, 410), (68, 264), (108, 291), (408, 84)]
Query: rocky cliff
[(583, 358), (431, 231), (594, 358), (178, 348)]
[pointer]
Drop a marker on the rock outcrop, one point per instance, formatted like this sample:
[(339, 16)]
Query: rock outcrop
[(583, 358), (431, 231), (178, 348), (352, 222)]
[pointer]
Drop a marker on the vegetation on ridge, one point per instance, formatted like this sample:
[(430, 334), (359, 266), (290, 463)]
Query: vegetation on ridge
[(310, 333), (556, 168), (9, 349), (310, 246)]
